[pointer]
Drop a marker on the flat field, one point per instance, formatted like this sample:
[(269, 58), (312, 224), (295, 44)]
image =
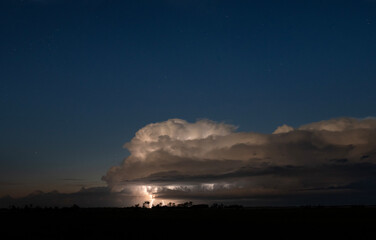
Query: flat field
[(189, 223)]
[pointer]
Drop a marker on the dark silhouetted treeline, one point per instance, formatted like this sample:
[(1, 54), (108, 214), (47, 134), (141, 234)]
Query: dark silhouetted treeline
[(189, 204), (188, 221)]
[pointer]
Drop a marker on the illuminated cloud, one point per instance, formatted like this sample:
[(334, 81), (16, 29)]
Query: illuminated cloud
[(206, 160), (327, 162), (283, 129)]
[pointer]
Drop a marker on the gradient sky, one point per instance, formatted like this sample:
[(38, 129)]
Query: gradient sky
[(79, 78)]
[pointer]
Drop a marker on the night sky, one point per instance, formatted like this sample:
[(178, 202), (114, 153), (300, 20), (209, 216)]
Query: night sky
[(78, 79)]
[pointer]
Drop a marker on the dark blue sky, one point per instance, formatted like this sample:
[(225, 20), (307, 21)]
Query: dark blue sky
[(79, 79)]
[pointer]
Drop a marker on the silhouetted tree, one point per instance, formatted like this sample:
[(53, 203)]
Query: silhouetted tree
[(146, 203), (75, 206), (186, 204), (217, 205), (158, 205)]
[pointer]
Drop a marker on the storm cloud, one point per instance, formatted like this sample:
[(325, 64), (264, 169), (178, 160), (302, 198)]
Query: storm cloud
[(207, 160), (331, 162)]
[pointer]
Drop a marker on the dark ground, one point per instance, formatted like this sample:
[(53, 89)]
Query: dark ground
[(189, 223)]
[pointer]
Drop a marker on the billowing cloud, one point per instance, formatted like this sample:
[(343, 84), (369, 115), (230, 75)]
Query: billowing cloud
[(326, 162), (206, 160)]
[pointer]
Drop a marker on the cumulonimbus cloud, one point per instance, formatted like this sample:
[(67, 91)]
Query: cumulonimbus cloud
[(329, 162), (207, 160)]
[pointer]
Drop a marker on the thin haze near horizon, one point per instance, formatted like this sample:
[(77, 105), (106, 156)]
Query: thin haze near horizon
[(247, 100)]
